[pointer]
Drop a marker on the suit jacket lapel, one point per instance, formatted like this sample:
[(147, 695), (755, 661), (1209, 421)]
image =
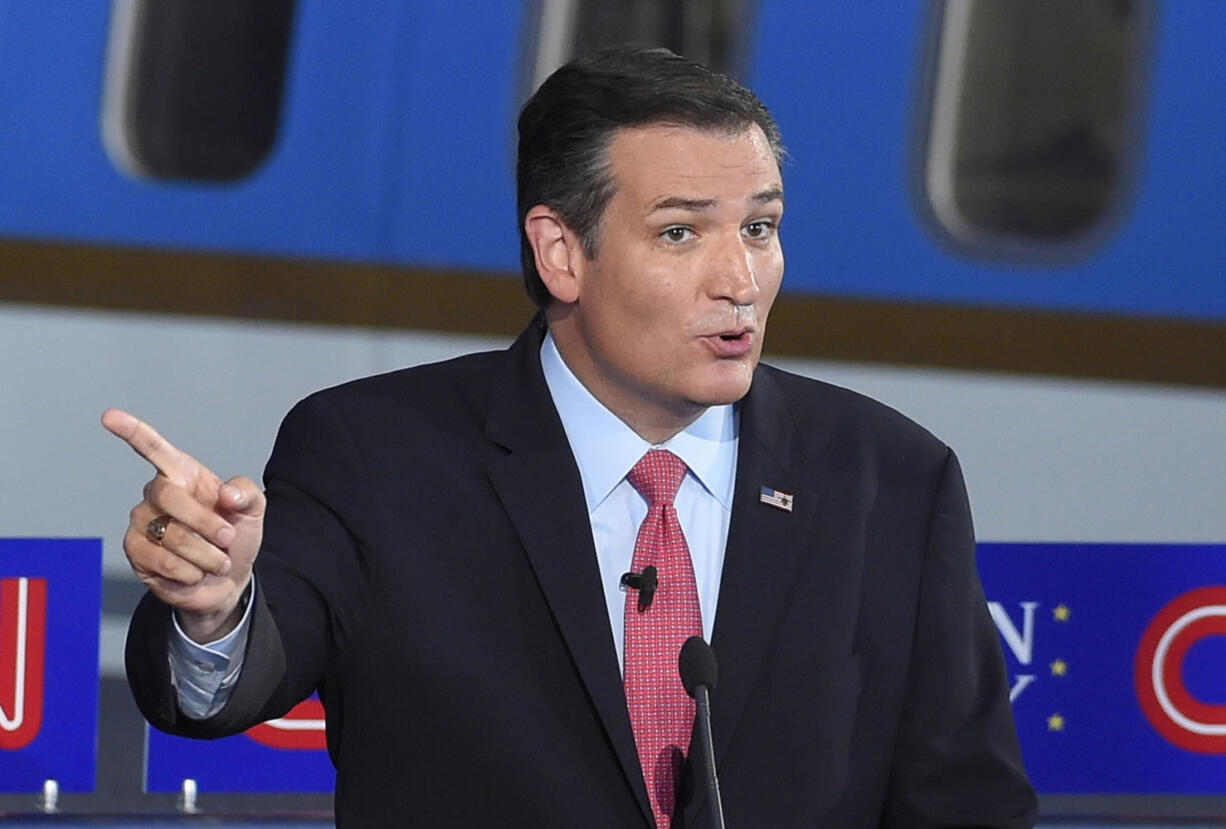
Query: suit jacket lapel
[(764, 548), (539, 485)]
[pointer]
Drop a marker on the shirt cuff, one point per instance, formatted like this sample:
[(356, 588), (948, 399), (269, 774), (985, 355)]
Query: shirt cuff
[(204, 675)]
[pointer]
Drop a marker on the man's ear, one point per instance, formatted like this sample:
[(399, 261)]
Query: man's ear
[(557, 250)]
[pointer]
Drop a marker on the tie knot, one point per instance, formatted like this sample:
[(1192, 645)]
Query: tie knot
[(657, 476)]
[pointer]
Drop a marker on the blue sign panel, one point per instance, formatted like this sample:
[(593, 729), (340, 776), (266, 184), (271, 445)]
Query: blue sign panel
[(1117, 659), (283, 755), (50, 601)]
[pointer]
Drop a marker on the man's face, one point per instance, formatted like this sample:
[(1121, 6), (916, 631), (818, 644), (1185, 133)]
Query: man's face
[(672, 309)]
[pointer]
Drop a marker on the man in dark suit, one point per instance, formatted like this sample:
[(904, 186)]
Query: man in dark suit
[(440, 548)]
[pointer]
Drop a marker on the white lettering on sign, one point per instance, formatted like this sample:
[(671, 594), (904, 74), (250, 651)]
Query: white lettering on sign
[(1021, 643)]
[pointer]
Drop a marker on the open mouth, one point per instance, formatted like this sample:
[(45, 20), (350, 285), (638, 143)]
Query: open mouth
[(731, 344), (736, 336)]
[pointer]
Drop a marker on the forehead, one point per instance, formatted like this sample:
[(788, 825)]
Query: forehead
[(663, 160)]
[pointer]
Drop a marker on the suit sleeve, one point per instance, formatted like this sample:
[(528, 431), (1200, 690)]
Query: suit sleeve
[(312, 571), (147, 661), (957, 760)]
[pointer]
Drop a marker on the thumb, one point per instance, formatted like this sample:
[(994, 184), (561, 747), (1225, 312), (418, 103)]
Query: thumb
[(241, 497)]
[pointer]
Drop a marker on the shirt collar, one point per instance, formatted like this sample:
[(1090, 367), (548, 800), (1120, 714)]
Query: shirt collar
[(606, 448)]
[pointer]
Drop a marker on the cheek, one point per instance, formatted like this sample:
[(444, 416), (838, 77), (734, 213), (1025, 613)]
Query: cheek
[(631, 328), (651, 301), (770, 276)]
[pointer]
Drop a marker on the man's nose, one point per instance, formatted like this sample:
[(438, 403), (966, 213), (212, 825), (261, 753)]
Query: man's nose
[(734, 272)]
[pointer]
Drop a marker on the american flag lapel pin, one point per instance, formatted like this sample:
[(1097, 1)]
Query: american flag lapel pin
[(776, 499)]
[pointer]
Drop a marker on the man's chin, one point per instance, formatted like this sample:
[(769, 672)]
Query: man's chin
[(727, 387)]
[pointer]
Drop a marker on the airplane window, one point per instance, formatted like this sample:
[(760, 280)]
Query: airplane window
[(712, 32), (1033, 121), (193, 90)]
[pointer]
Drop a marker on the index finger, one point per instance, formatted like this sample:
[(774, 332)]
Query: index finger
[(144, 439)]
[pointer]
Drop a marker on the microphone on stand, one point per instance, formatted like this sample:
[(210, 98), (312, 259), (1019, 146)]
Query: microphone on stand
[(698, 674)]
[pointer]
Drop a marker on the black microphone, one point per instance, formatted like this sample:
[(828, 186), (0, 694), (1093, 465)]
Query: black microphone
[(644, 582), (699, 674)]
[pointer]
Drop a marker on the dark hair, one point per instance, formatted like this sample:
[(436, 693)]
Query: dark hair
[(566, 127)]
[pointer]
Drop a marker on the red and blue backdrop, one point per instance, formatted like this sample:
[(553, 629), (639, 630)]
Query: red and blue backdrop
[(50, 597), (1117, 660)]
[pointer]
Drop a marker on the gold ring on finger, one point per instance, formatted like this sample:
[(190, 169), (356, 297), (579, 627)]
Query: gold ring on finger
[(156, 529)]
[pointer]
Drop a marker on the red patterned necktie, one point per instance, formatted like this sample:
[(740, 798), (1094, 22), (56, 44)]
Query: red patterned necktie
[(661, 712)]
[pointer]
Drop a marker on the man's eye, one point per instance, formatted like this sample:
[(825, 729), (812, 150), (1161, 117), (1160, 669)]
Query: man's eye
[(759, 230), (677, 234)]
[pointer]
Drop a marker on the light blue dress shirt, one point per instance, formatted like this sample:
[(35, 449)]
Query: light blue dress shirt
[(605, 449)]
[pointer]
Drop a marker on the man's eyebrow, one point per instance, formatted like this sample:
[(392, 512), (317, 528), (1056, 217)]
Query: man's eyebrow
[(681, 203), (769, 195)]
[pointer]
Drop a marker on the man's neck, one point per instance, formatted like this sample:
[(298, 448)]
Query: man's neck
[(653, 423)]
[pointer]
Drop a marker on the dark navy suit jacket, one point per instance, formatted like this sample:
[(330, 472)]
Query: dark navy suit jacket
[(428, 566)]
